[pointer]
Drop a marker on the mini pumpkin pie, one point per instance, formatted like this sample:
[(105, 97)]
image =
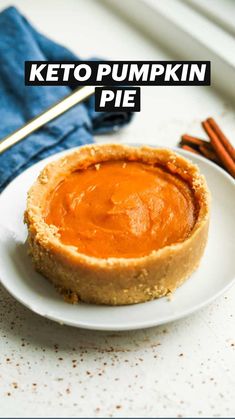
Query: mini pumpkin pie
[(113, 224)]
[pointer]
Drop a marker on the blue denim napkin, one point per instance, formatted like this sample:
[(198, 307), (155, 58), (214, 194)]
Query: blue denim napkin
[(19, 42)]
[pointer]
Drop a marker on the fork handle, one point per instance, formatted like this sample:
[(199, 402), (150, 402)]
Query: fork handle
[(46, 116)]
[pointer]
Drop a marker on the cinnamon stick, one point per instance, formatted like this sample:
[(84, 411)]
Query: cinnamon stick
[(193, 141), (191, 149), (219, 148), (223, 139), (210, 154)]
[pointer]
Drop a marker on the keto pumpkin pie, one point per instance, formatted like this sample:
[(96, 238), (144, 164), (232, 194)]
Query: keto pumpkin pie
[(114, 224)]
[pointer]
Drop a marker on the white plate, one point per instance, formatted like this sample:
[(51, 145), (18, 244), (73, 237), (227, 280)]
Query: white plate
[(214, 276)]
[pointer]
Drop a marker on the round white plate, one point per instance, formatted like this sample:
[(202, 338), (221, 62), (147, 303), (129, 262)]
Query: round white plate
[(214, 276)]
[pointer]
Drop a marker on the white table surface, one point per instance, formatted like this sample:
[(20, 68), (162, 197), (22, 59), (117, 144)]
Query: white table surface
[(183, 369)]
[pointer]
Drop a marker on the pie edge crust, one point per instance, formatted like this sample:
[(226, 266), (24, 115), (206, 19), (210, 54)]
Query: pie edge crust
[(114, 281)]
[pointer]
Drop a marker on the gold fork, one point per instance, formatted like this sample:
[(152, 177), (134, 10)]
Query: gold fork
[(46, 116)]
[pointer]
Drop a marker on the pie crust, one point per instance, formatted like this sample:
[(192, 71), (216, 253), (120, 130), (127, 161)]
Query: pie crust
[(114, 280)]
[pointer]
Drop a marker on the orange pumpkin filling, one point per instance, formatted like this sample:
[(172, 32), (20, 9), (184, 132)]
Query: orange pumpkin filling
[(121, 209)]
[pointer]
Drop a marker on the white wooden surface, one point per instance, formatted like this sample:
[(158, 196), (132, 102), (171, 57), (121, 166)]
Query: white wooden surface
[(184, 369)]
